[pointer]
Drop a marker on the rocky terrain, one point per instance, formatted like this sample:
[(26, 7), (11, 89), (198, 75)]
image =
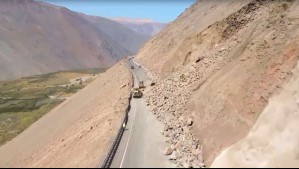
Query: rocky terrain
[(217, 70), (142, 26), (78, 132), (273, 142), (38, 38)]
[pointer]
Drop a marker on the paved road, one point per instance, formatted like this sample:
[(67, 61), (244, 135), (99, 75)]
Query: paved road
[(142, 144)]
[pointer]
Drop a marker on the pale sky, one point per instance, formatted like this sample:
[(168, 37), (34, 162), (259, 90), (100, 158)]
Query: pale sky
[(157, 10)]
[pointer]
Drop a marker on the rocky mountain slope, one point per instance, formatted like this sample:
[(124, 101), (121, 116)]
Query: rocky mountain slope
[(273, 142), (120, 33), (79, 131), (38, 38), (219, 63), (142, 26)]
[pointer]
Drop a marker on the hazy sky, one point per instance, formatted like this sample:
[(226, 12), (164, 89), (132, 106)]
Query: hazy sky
[(158, 10)]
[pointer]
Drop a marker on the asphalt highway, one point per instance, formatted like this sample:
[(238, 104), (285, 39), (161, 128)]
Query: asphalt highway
[(142, 144)]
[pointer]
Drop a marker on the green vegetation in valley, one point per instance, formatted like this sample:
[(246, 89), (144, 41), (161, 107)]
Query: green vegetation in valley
[(24, 101)]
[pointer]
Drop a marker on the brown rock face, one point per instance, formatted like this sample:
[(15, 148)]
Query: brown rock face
[(220, 62)]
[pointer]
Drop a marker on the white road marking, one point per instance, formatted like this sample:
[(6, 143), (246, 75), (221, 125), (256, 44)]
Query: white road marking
[(123, 159), (133, 60)]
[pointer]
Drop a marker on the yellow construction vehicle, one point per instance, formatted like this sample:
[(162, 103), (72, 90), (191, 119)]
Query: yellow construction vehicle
[(136, 93)]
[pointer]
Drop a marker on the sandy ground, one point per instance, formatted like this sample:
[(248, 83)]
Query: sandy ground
[(274, 140), (78, 132)]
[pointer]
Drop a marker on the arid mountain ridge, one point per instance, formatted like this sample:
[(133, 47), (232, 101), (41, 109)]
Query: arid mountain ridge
[(142, 26), (38, 38)]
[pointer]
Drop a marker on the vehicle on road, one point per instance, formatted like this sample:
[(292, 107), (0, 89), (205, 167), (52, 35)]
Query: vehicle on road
[(132, 67), (136, 93), (141, 85)]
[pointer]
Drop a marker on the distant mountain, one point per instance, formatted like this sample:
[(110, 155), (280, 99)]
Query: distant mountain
[(142, 26), (128, 38), (38, 38)]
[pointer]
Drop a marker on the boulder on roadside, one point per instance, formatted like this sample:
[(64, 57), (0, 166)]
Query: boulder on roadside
[(168, 151), (200, 158), (181, 119), (186, 130), (202, 165), (178, 145), (166, 128), (190, 121), (122, 86), (186, 165), (166, 133), (197, 164), (173, 156), (197, 152)]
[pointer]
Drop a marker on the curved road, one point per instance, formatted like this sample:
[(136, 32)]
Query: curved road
[(142, 143)]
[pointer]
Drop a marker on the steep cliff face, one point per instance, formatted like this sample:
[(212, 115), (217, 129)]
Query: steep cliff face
[(39, 38), (219, 63)]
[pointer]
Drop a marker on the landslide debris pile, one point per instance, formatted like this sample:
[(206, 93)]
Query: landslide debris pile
[(216, 78)]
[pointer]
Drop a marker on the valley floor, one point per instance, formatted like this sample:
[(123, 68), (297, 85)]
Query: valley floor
[(24, 101)]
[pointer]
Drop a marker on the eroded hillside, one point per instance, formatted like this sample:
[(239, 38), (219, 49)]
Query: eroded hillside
[(78, 132), (216, 69), (273, 141), (120, 33), (38, 38)]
